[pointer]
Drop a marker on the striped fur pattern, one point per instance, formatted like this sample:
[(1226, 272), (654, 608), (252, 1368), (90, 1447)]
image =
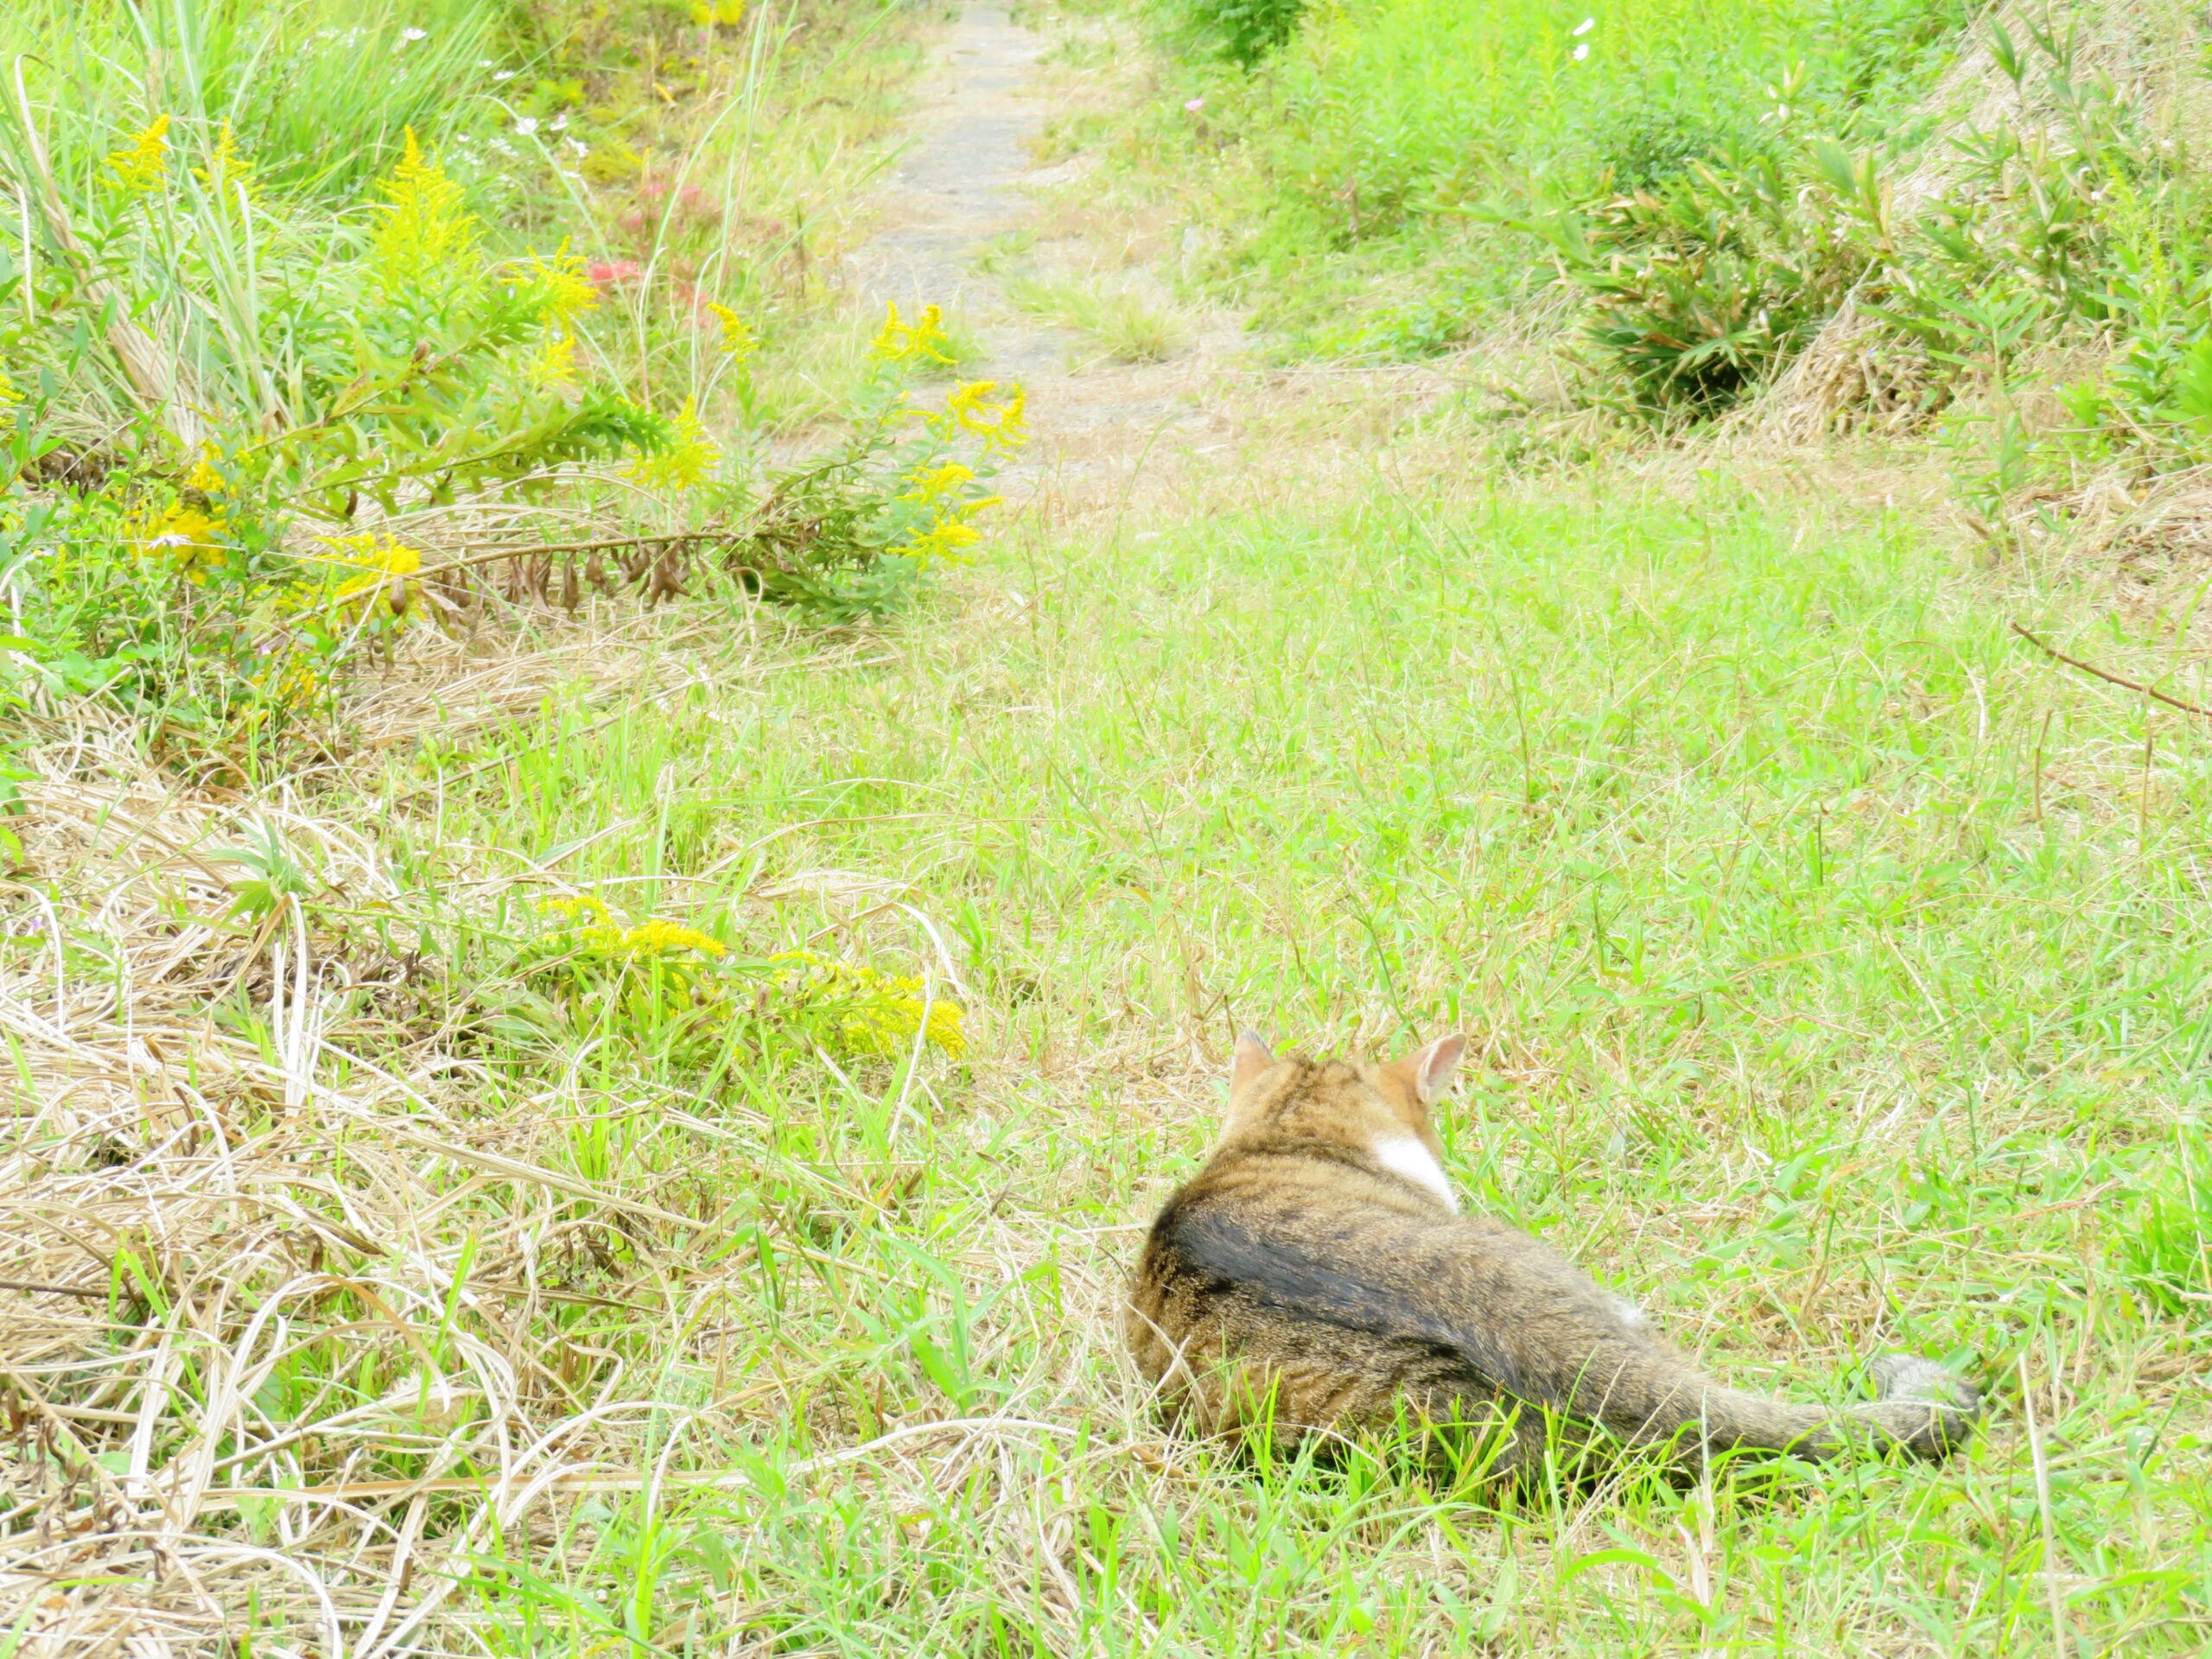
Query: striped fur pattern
[(1317, 1273)]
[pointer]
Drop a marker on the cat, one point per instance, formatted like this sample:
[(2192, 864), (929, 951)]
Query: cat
[(1316, 1275)]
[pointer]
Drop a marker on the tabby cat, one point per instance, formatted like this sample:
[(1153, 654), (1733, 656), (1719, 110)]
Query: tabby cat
[(1317, 1273)]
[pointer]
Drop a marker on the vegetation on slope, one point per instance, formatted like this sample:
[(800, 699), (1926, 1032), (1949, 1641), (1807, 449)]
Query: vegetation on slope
[(1349, 168), (1987, 225)]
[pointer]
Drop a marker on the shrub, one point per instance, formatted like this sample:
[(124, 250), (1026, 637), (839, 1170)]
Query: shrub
[(1698, 286), (1243, 31), (1355, 153), (583, 969), (2068, 215)]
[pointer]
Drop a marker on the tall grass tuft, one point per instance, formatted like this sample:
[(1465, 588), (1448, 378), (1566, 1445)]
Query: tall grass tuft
[(320, 92)]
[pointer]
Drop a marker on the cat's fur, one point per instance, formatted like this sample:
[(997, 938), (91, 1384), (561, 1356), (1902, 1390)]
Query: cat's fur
[(1315, 1274)]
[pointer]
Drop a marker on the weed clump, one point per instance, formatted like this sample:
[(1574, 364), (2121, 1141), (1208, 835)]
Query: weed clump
[(589, 972)]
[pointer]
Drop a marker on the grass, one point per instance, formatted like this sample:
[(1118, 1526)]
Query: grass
[(389, 1268), (1128, 327), (318, 94), (1717, 820), (1722, 834)]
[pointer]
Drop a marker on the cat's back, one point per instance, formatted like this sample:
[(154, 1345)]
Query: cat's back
[(1346, 1285), (1294, 1252)]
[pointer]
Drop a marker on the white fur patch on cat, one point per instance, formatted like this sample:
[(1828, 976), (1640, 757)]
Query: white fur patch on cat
[(1401, 1155)]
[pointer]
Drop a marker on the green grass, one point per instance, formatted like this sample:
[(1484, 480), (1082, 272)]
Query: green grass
[(318, 92), (1715, 820), (1124, 324)]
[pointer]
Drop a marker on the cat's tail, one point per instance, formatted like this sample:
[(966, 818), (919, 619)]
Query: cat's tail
[(1649, 1397)]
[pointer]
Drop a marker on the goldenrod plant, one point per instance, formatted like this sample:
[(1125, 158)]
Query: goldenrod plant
[(216, 375), (589, 969)]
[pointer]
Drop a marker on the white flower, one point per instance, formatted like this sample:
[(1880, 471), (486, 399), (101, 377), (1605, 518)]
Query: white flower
[(1583, 28), (577, 146), (1582, 51), (503, 147), (408, 36), (526, 125), (505, 75)]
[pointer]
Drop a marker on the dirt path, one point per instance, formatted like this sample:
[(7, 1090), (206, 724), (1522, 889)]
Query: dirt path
[(967, 194)]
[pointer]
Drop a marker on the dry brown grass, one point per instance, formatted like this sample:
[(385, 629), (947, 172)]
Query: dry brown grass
[(244, 1129), (302, 1313), (172, 1207)]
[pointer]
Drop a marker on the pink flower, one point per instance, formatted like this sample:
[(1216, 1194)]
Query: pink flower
[(617, 271), (1195, 105)]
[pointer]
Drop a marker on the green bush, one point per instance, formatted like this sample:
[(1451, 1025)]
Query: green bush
[(2071, 221), (1341, 172), (1243, 31), (1698, 287)]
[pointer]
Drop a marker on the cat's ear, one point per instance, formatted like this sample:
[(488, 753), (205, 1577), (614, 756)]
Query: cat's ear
[(1253, 1058), (1427, 1071)]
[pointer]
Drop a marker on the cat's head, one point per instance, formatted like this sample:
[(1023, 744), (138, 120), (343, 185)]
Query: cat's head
[(1334, 1100)]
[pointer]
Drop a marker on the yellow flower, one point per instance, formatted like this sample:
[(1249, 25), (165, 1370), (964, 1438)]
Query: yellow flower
[(203, 477), (654, 937), (225, 173), (946, 1023), (380, 553), (658, 938), (943, 540), (738, 341), (556, 363), (684, 463), (885, 1012), (379, 559), (935, 483), (706, 13), (8, 393), (143, 162), (194, 538), (424, 231), (292, 678), (566, 293), (1002, 427), (924, 339), (576, 907)]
